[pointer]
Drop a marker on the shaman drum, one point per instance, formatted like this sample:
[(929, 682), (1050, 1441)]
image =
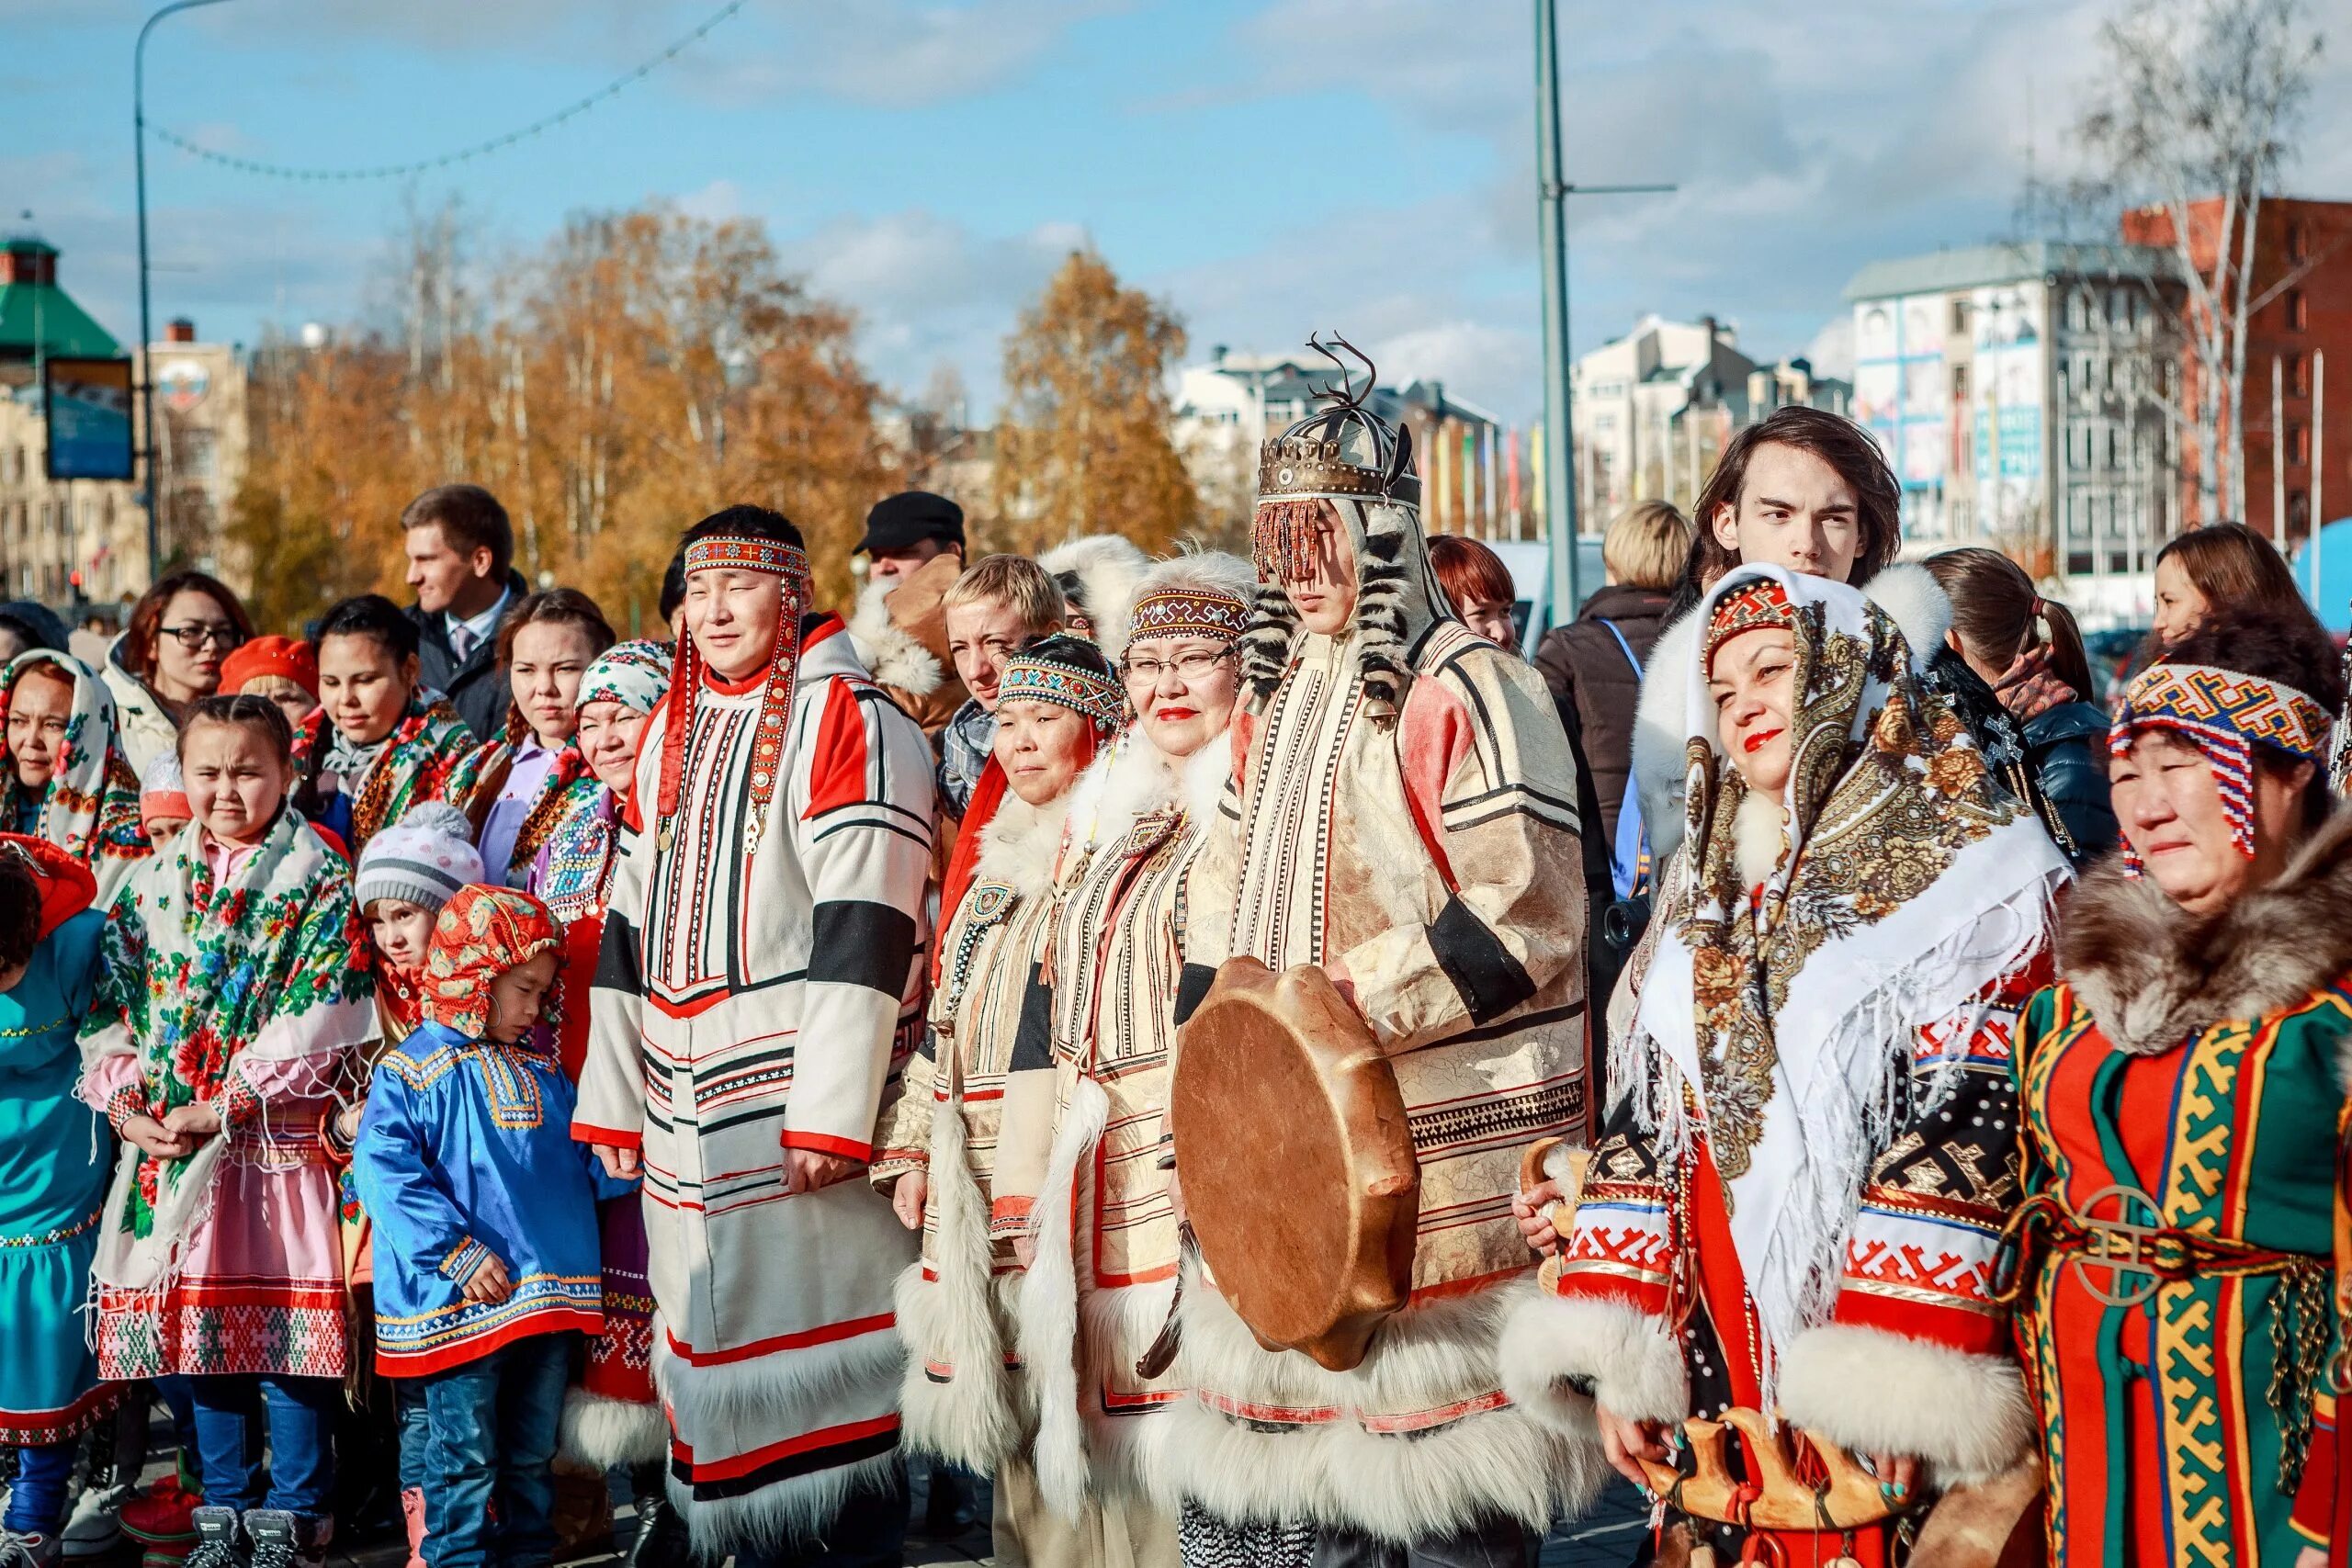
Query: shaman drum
[(1296, 1161)]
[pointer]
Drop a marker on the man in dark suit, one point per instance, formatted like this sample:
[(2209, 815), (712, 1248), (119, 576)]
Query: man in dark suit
[(460, 562)]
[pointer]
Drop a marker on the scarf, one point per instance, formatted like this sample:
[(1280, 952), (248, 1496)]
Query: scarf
[(198, 972), (1903, 884), (90, 806), (386, 777), (483, 933), (577, 879), (2224, 713)]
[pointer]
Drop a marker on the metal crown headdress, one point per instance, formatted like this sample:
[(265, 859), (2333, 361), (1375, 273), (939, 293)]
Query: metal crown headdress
[(1342, 448)]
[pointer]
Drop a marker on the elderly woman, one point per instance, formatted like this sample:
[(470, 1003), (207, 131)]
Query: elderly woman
[(1103, 1282), (1803, 1174), (986, 1062), (63, 774), (2182, 1102)]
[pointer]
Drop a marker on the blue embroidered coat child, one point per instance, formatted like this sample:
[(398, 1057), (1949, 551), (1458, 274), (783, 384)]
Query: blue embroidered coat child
[(465, 1151)]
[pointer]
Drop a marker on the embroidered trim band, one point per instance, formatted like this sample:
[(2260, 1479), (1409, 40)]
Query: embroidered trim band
[(1099, 697), (2223, 712), (747, 554), (1189, 612), (1762, 603)]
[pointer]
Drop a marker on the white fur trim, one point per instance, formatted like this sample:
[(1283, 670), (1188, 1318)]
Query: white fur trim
[(1658, 720), (1109, 567), (794, 1513), (607, 1433), (749, 1393), (1129, 1451), (1557, 1166), (1047, 1325), (1882, 1393), (1020, 845), (1499, 1462), (1633, 1366), (1918, 604), (954, 1318), (890, 652), (1208, 771), (1760, 832)]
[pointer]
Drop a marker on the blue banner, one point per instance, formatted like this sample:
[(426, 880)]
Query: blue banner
[(89, 402)]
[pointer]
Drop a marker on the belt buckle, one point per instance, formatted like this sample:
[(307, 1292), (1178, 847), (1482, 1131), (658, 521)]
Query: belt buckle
[(2122, 1237)]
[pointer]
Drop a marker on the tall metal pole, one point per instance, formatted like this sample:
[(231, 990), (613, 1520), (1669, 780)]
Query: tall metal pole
[(1552, 234), (146, 331)]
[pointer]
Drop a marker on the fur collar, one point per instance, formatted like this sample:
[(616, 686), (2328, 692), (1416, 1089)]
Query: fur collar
[(1136, 778), (2152, 974), (1919, 606), (1019, 846), (892, 654)]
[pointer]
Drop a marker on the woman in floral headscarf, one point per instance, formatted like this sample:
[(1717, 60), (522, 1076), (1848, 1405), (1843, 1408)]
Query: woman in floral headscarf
[(63, 775), (613, 1418), (1800, 1186)]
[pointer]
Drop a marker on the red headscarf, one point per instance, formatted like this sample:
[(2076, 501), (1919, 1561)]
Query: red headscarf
[(483, 933)]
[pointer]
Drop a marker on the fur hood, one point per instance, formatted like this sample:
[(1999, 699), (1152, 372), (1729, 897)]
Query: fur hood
[(890, 654), (1914, 601), (2154, 975), (1102, 573), (1020, 845), (1134, 778)]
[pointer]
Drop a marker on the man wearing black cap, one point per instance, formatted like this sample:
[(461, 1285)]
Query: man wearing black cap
[(914, 545)]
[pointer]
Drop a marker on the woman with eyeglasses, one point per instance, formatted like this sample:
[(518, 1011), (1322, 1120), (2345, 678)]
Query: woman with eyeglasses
[(169, 659)]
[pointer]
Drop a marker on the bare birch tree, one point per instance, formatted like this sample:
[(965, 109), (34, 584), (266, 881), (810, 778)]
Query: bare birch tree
[(2197, 103)]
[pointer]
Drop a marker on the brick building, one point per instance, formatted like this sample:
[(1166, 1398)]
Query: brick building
[(2302, 320)]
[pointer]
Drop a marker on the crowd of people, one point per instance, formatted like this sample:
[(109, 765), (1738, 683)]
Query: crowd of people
[(466, 1046)]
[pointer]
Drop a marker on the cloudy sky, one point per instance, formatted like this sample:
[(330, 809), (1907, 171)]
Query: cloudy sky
[(1267, 166)]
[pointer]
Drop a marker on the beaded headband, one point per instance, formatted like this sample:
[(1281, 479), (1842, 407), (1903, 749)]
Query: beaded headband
[(747, 553), (1763, 602), (2223, 712), (1189, 612), (1026, 678)]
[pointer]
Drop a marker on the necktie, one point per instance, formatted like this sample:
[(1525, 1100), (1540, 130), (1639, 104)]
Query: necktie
[(462, 640)]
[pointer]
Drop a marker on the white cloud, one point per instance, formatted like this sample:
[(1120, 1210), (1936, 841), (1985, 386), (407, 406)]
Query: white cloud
[(1832, 348), (714, 203)]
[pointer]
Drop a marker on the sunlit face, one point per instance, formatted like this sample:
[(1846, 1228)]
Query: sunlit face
[(39, 711), (184, 674), (364, 687), (1325, 597), (890, 565), (1041, 747), (732, 615), (981, 634), (2180, 605), (1794, 511), (400, 932), (609, 735), (438, 574), (1182, 689), (293, 698), (2169, 806), (550, 657), (1490, 618), (236, 779), (1753, 682), (517, 996)]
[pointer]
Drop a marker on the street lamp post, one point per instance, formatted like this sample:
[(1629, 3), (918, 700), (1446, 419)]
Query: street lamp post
[(1552, 227), (146, 331)]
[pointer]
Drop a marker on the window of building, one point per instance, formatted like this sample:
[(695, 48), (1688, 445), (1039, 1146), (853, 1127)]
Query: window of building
[(2074, 310), (2119, 310), (2298, 312), (2114, 447), (2298, 241), (1959, 317), (2298, 512), (2299, 443), (2298, 374)]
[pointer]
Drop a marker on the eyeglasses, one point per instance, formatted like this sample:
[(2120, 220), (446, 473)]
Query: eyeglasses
[(1193, 666), (193, 634)]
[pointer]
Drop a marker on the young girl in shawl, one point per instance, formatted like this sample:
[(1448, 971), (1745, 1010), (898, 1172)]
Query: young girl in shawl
[(488, 1212), (382, 743), (1811, 1148), (53, 1179), (235, 987), (516, 788), (613, 1418), (65, 778)]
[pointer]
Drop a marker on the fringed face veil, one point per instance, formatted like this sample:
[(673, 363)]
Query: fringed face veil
[(1781, 1022), (746, 551), (1342, 466)]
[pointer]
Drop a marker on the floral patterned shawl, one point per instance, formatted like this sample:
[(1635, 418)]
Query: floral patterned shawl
[(1784, 1015), (410, 765), (90, 808), (235, 993), (475, 778)]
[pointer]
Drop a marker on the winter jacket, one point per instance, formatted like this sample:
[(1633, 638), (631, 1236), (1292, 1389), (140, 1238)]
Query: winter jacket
[(1582, 664), (144, 727), (476, 686), (2065, 749)]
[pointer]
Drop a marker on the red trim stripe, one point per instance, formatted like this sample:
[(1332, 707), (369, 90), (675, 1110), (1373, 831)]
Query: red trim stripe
[(824, 1335)]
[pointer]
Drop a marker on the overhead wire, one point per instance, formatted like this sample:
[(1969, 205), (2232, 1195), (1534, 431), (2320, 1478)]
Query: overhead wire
[(266, 169)]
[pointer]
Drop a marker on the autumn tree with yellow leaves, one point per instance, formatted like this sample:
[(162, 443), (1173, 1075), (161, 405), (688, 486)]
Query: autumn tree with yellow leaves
[(1083, 447)]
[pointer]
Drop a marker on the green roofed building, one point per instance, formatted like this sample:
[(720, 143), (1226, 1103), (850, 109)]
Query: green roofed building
[(39, 320)]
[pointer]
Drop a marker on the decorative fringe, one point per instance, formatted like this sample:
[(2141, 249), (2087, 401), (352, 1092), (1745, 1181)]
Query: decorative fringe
[(971, 1418), (1047, 1325), (1265, 647), (1282, 537), (604, 1432)]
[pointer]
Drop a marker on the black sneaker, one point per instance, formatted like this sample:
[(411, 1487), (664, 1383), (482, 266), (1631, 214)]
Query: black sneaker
[(281, 1539), (219, 1544)]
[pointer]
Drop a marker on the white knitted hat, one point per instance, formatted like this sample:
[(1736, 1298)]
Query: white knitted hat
[(424, 857)]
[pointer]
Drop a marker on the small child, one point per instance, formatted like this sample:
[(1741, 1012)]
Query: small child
[(489, 1275), (233, 991), (53, 1179), (163, 809), (280, 668)]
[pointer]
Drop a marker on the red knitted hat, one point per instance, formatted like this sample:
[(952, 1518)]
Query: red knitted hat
[(297, 662)]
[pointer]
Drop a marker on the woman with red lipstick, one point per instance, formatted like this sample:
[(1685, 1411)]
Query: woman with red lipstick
[(1802, 1179), (2183, 1115)]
